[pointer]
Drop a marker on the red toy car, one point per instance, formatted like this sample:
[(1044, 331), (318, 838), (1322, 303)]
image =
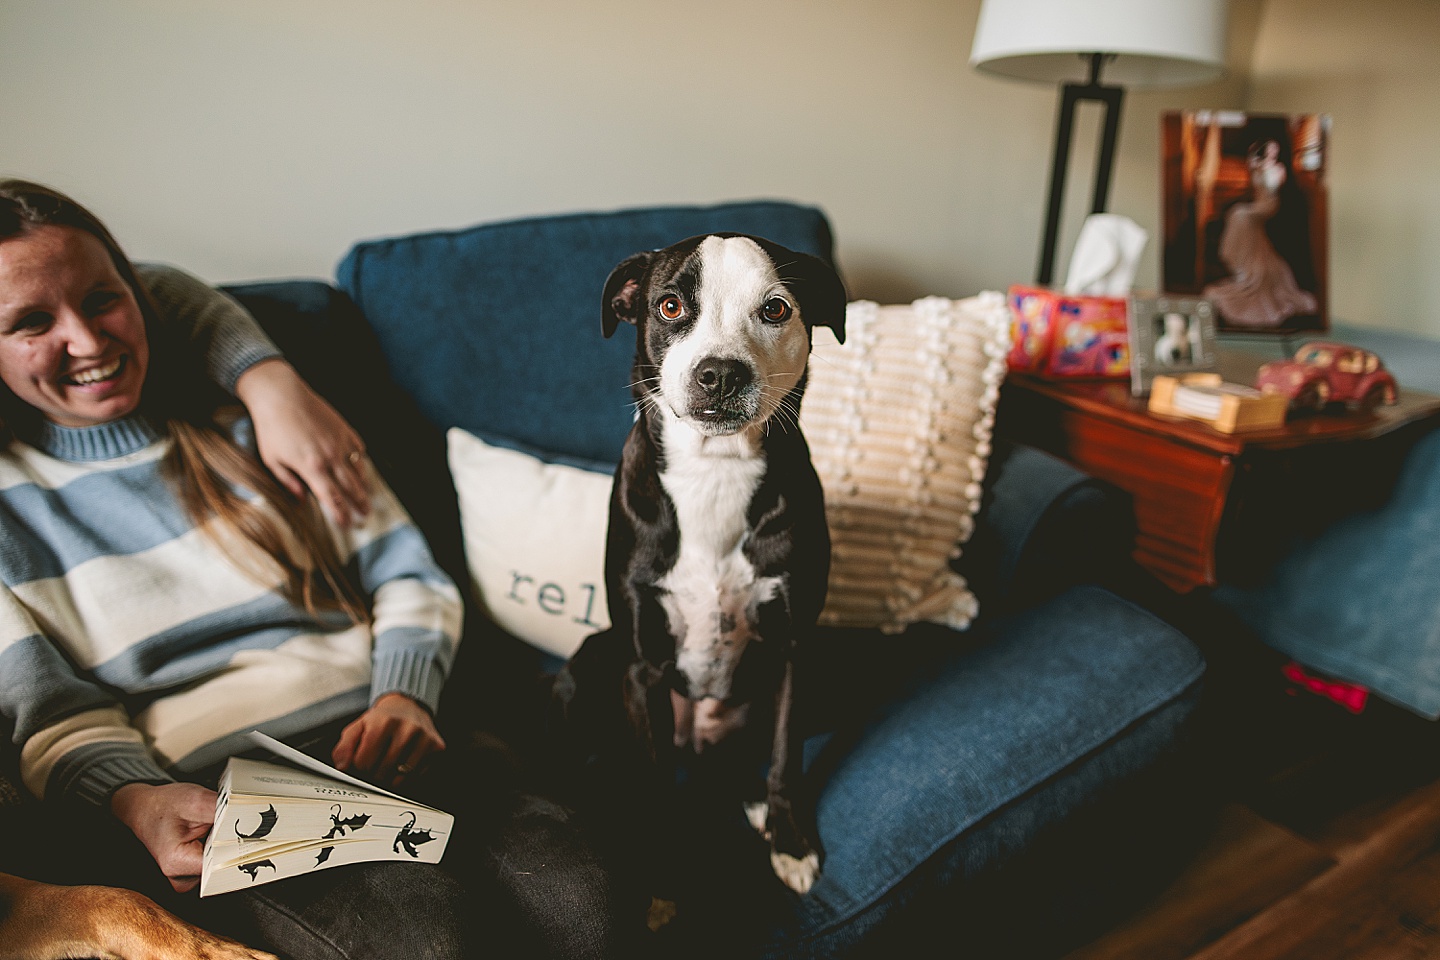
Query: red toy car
[(1324, 372)]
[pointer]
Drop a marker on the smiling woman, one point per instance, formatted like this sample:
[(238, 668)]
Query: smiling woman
[(162, 594), (75, 351), (73, 344), (72, 338)]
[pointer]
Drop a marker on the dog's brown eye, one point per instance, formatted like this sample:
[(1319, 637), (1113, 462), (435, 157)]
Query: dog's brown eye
[(671, 308), (776, 310)]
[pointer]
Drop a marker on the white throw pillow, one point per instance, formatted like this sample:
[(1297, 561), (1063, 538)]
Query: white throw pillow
[(534, 535), (898, 420)]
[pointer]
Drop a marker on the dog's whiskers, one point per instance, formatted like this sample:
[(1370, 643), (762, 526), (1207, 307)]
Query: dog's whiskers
[(648, 402), (787, 417), (785, 412)]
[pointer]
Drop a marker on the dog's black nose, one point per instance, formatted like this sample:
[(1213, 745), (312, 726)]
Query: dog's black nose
[(721, 377)]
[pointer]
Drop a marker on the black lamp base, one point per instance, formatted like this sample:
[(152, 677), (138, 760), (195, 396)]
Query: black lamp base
[(1070, 95)]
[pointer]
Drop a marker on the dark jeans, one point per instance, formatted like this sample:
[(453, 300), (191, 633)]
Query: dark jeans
[(517, 880), (530, 888)]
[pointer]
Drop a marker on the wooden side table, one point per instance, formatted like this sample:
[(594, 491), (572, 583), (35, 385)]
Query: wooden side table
[(1211, 505)]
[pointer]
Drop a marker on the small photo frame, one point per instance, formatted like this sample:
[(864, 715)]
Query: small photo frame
[(1169, 335)]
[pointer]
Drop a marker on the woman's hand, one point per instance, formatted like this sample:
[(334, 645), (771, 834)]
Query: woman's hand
[(304, 441), (389, 741), (171, 819)]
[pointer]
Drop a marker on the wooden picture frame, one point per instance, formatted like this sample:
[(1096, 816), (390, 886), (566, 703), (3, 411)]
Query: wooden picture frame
[(1245, 218), (1169, 335)]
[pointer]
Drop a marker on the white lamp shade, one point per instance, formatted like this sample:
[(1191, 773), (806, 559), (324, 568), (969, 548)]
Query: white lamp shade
[(1155, 43)]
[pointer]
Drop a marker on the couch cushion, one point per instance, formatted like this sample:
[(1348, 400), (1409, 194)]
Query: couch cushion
[(1050, 710), (496, 329)]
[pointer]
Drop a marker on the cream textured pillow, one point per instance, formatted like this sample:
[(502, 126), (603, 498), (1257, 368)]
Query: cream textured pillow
[(534, 536), (899, 421)]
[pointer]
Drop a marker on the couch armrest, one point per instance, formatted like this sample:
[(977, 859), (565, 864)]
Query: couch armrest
[(1043, 526)]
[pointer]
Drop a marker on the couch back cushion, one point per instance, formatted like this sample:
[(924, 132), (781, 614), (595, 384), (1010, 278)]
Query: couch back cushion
[(496, 329)]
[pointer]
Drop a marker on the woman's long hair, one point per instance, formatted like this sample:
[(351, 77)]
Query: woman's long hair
[(208, 471)]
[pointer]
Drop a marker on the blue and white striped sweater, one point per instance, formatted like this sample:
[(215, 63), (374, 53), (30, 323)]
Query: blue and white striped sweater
[(131, 646)]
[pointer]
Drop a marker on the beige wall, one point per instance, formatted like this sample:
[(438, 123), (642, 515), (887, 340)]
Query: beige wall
[(1374, 66), (261, 138)]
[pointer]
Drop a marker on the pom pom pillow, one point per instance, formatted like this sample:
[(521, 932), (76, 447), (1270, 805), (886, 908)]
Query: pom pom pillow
[(898, 420)]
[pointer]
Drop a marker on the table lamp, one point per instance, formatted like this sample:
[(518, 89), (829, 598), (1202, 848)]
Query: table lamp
[(1136, 43)]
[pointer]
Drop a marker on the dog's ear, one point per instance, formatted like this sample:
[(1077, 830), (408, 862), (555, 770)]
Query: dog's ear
[(818, 288), (622, 293)]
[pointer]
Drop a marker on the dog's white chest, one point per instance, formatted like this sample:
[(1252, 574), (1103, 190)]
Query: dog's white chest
[(712, 593)]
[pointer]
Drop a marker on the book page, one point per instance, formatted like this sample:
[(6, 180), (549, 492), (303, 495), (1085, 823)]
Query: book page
[(251, 780), (294, 756)]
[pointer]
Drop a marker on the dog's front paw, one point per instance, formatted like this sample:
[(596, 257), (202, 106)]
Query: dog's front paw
[(756, 813), (797, 873), (796, 870)]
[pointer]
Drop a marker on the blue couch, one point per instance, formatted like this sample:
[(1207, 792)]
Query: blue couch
[(1005, 785), (986, 786)]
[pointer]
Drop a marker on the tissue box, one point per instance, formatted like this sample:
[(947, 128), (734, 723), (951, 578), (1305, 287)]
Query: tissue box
[(1061, 335)]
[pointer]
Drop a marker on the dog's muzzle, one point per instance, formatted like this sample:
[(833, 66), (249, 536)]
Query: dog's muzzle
[(722, 393)]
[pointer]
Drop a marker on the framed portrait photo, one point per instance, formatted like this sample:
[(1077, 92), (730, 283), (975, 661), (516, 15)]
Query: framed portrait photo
[(1169, 335), (1245, 217)]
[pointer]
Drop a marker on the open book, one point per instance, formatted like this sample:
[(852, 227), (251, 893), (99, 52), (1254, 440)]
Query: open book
[(274, 821)]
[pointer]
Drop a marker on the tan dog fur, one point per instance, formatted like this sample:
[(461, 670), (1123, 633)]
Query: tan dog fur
[(40, 921)]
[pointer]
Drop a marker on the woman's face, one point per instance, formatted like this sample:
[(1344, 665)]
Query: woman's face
[(1269, 153), (72, 338)]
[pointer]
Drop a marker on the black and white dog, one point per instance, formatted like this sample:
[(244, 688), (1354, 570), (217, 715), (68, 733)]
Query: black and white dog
[(718, 553)]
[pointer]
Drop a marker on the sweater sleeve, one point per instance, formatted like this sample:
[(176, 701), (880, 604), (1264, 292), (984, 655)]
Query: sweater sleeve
[(75, 740), (221, 332), (416, 608)]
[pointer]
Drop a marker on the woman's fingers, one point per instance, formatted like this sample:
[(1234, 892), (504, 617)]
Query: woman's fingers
[(351, 490)]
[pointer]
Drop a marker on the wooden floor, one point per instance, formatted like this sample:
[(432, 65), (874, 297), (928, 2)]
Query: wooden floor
[(1326, 844)]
